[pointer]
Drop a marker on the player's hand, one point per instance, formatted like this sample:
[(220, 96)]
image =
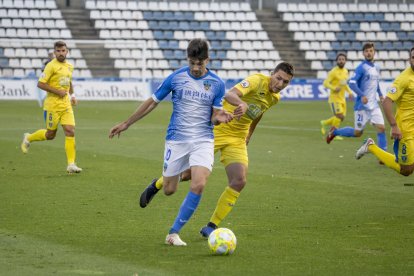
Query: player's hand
[(351, 97), (73, 100), (223, 117), (116, 130), (240, 110), (364, 100), (61, 93), (337, 89), (396, 133), (381, 99)]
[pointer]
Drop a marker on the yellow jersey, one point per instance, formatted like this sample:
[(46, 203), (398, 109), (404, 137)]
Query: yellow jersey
[(402, 93), (58, 75), (337, 77), (259, 98)]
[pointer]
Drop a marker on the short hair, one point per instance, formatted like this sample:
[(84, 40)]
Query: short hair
[(285, 67), (59, 44), (340, 55), (198, 48), (412, 49), (368, 45)]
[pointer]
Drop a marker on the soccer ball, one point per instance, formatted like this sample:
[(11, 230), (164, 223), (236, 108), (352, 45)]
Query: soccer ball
[(222, 241)]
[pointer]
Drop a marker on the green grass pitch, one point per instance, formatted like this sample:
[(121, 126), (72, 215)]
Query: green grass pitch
[(308, 209)]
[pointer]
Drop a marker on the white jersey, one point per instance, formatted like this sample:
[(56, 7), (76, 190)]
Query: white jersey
[(193, 100)]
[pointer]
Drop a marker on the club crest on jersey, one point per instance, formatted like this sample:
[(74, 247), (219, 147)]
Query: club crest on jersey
[(245, 84), (392, 90), (207, 85)]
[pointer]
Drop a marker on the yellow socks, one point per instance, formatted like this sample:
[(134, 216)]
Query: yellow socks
[(224, 205), (387, 158), (336, 122), (70, 149), (333, 121), (159, 183), (39, 135)]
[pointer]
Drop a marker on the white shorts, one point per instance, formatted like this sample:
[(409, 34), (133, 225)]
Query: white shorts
[(362, 117), (179, 156)]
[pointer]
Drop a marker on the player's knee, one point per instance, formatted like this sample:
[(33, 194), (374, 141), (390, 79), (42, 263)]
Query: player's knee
[(406, 171), (169, 190), (70, 133), (238, 183), (358, 133), (50, 135), (340, 116)]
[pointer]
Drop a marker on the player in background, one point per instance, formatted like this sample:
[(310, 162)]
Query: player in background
[(255, 94), (56, 80), (197, 95), (402, 125), (337, 83), (365, 83)]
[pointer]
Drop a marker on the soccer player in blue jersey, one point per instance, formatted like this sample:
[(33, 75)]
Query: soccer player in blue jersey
[(365, 83), (197, 105), (401, 93)]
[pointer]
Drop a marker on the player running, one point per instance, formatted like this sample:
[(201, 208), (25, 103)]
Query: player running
[(337, 83), (402, 125), (255, 94), (197, 105), (56, 80), (365, 83)]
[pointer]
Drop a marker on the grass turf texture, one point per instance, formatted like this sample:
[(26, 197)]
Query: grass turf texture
[(308, 207)]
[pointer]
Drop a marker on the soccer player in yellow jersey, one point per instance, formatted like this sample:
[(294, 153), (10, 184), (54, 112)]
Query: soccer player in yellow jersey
[(336, 82), (56, 80), (255, 95), (402, 125)]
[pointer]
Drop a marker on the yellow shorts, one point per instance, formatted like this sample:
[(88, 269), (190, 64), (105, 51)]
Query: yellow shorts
[(232, 149), (64, 117), (338, 107), (404, 151)]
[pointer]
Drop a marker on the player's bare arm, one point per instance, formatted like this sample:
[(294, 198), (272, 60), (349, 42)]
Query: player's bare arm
[(145, 108), (48, 88), (252, 127), (73, 99), (387, 104), (233, 97)]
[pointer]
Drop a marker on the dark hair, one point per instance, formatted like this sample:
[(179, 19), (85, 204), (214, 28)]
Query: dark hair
[(285, 67), (340, 55), (368, 45), (198, 48), (412, 49), (59, 44)]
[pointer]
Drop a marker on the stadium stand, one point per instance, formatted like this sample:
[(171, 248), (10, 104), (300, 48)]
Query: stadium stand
[(24, 24), (323, 30), (239, 44), (154, 34)]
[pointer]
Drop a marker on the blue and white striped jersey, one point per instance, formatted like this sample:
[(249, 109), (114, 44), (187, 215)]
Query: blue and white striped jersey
[(193, 100), (365, 82)]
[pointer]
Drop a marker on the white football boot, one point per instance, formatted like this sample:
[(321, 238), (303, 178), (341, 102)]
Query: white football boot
[(25, 143), (174, 239), (364, 148), (72, 168)]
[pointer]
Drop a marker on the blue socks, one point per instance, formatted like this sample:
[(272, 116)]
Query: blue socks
[(345, 131), (187, 209), (382, 140)]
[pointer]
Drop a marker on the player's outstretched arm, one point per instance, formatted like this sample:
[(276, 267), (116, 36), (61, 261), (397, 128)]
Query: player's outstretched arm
[(233, 97), (145, 108)]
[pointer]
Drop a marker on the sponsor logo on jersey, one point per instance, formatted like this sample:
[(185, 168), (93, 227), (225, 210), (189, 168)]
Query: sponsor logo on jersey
[(245, 84)]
